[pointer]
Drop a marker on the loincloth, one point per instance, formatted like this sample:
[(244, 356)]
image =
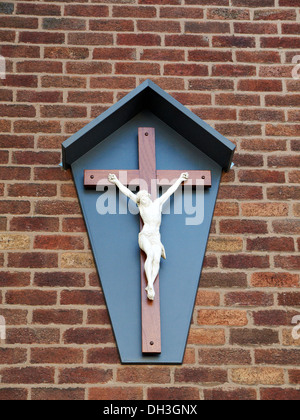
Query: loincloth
[(153, 238)]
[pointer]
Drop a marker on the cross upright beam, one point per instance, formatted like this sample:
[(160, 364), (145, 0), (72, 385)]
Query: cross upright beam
[(148, 175)]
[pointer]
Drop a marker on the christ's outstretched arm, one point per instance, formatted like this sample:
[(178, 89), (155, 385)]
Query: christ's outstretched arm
[(114, 180), (183, 177)]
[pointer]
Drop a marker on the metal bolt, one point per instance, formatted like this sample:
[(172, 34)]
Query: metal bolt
[(92, 177), (151, 343), (146, 134)]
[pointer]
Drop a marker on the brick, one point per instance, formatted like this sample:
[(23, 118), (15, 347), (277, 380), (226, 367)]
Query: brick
[(13, 394), (179, 12), (32, 336), (31, 190), (82, 375), (28, 126), (57, 207), (86, 10), (243, 226), (162, 55), (39, 67), (261, 176), (224, 357), (44, 224), (16, 80), (82, 297), (111, 25), (73, 225), (67, 190), (255, 28), (222, 317), (114, 54), (20, 51), (14, 242), (233, 41), (58, 242), (9, 141), (262, 115), (98, 317), (64, 24), (274, 280), (137, 68), (57, 394), (278, 71), (134, 11), (258, 376), (207, 27), (200, 375), (139, 39), (42, 38), (30, 297), (264, 209), (248, 299), (209, 2), (243, 261), (225, 244), (63, 82), (268, 145), (158, 375), (277, 14), (7, 8), (233, 394), (254, 337), (36, 158), (28, 375), (173, 393), (32, 260), (290, 263), (57, 317), (185, 70), (18, 22), (262, 57), (38, 9), (12, 356), (211, 56), (287, 100), (77, 260), (260, 85), (8, 36), (272, 318), (253, 3), (280, 42), (90, 97), (88, 38), (237, 99), (14, 207), (228, 14), (294, 376), (11, 279), (15, 316), (287, 226), (186, 41), (283, 193), (193, 98), (56, 355), (50, 142), (115, 393), (206, 337), (280, 394), (88, 336), (158, 26), (289, 299), (107, 355), (277, 357)]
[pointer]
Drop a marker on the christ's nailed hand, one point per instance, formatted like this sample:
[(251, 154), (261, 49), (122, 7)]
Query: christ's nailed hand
[(112, 178)]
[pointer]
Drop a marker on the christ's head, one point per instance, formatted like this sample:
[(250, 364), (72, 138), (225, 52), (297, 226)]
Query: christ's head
[(143, 198)]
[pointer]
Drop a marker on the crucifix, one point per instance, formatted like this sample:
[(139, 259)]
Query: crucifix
[(149, 239)]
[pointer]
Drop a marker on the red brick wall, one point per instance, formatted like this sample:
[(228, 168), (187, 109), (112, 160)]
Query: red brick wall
[(230, 61)]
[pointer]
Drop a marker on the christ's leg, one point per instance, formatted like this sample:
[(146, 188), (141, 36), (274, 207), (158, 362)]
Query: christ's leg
[(156, 263), (146, 246)]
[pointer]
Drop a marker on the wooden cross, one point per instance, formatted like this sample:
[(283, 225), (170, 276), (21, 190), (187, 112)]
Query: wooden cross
[(151, 329)]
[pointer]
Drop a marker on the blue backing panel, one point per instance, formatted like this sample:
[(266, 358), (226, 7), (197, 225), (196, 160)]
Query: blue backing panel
[(114, 240)]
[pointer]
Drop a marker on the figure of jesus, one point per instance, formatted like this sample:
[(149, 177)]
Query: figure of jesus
[(149, 237)]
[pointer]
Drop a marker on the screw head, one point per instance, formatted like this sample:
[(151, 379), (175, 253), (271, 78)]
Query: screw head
[(92, 177), (151, 343), (146, 134)]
